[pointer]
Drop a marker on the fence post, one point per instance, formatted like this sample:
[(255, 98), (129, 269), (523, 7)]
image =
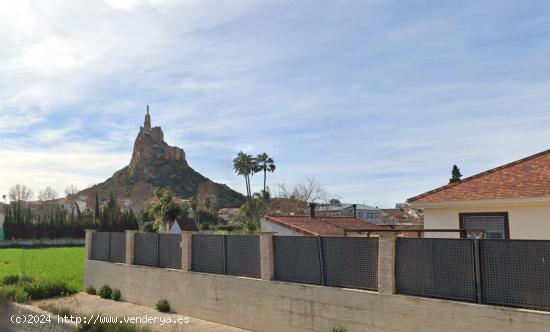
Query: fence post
[(477, 267), (186, 250), (88, 242), (386, 262), (130, 242), (267, 262)]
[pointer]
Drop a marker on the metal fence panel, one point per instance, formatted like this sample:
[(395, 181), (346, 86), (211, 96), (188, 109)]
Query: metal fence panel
[(170, 251), (146, 249), (516, 273), (100, 246), (351, 262), (441, 268), (243, 255), (297, 259), (208, 253), (117, 251)]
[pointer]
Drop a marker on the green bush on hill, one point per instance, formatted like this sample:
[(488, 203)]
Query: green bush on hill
[(105, 292), (162, 306), (115, 295), (91, 290)]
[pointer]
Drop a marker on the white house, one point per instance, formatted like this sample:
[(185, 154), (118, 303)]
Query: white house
[(507, 202), (180, 225)]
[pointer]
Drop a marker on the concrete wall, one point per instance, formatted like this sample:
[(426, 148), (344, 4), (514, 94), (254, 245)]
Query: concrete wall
[(526, 221), (263, 305)]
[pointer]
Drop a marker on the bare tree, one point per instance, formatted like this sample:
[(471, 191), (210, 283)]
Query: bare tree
[(47, 194), (294, 199), (20, 193), (71, 195)]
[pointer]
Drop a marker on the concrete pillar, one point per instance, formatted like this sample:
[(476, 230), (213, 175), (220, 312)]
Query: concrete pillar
[(267, 262), (386, 262), (186, 250), (88, 242), (130, 243)]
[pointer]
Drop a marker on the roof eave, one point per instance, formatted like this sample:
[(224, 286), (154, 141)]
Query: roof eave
[(483, 202)]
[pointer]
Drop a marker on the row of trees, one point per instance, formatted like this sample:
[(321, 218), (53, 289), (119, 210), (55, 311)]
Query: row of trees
[(21, 192), (23, 220)]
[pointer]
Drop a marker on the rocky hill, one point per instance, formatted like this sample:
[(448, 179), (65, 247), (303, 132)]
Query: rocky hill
[(154, 164)]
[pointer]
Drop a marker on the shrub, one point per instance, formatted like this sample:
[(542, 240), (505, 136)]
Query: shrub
[(116, 294), (91, 290), (13, 279), (47, 289), (162, 306), (21, 296), (338, 329), (105, 292), (7, 292)]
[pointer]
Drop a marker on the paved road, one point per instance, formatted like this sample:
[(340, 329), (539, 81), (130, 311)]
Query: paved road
[(84, 304)]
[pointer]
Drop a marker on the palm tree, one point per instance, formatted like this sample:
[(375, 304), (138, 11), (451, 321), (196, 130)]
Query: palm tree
[(245, 165), (266, 164), (194, 204)]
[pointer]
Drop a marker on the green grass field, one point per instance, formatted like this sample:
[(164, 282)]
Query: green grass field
[(66, 264)]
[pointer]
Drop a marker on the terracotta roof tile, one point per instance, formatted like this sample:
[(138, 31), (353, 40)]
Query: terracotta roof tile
[(524, 178), (324, 226)]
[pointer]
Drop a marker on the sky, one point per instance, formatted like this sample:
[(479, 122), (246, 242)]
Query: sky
[(375, 99)]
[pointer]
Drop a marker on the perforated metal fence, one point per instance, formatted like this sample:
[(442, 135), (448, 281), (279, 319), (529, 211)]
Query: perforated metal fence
[(100, 246), (208, 253), (117, 247), (146, 249), (332, 261), (237, 255), (350, 262), (297, 259), (243, 255), (169, 251), (110, 247), (516, 273), (440, 268)]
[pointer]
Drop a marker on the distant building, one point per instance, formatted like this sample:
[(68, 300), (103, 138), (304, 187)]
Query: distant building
[(316, 226), (360, 211), (180, 225), (228, 214), (403, 213)]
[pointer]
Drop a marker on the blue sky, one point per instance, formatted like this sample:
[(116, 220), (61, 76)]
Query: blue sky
[(375, 99)]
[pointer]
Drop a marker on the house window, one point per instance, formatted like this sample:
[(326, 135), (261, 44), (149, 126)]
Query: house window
[(494, 224)]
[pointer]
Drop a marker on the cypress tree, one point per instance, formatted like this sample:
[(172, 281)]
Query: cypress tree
[(455, 174)]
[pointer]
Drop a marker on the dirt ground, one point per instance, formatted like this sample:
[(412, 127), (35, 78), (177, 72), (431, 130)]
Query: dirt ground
[(84, 304)]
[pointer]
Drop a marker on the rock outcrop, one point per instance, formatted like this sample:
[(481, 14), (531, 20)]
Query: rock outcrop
[(154, 164)]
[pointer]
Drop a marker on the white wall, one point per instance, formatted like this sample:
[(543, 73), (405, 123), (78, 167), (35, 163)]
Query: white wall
[(268, 226), (526, 221)]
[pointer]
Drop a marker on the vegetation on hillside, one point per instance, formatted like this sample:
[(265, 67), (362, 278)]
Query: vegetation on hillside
[(164, 210)]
